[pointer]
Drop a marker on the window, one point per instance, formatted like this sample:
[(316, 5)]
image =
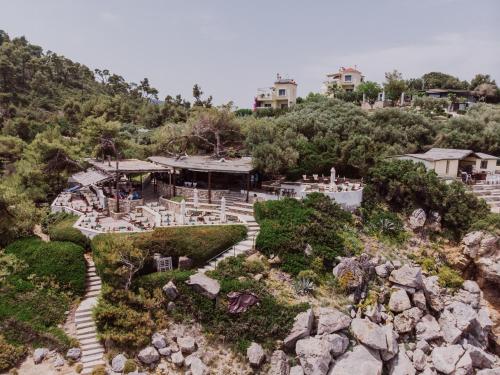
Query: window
[(267, 105), (447, 166), (283, 106), (484, 164), (348, 78), (498, 162), (281, 92)]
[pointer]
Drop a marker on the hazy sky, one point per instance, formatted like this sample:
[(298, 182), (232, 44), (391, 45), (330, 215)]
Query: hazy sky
[(233, 47)]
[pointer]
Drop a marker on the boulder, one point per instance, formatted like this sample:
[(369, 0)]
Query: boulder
[(196, 365), (494, 371), (401, 364), (185, 263), (428, 329), (170, 290), (391, 337), (464, 315), (464, 365), (331, 320), (361, 361), (255, 354), (471, 299), (204, 285), (314, 355), (187, 344), (165, 351), (419, 359), (407, 276), (471, 286), (384, 270), (399, 301), (339, 343), (423, 346), (417, 219), (39, 355), (445, 358), (118, 363), (58, 361), (170, 306), (448, 324), (369, 333), (158, 340), (148, 355), (483, 249), (301, 328), (480, 358), (296, 370), (433, 292), (279, 364), (407, 320), (373, 312), (428, 371), (419, 300), (74, 354), (177, 359)]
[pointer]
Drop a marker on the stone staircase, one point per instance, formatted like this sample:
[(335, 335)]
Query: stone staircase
[(86, 331), (490, 193), (241, 247)]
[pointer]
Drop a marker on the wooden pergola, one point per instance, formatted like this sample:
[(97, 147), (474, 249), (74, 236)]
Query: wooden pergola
[(207, 164)]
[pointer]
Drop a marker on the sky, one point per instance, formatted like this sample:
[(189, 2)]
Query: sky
[(231, 48)]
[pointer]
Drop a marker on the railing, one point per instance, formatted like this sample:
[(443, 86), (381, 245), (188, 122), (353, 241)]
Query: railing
[(222, 252)]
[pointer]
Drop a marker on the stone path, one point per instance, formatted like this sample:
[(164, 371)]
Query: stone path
[(241, 247), (86, 331), (490, 193)]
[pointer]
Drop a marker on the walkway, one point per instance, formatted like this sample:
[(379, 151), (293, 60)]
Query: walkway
[(86, 331), (490, 193)]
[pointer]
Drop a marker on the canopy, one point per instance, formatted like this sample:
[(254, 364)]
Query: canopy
[(89, 177)]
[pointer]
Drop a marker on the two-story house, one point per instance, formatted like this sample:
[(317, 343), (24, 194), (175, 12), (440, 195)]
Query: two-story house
[(346, 78), (282, 95)]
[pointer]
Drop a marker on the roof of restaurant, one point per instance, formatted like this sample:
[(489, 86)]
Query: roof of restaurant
[(89, 177), (206, 163), (127, 166), (436, 153)]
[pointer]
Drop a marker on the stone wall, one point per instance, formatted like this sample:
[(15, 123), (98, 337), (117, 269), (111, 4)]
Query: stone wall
[(126, 205)]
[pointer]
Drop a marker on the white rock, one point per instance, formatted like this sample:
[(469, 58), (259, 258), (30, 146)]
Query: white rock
[(471, 286), (165, 351), (464, 314), (296, 370), (360, 361), (158, 340), (428, 329), (417, 219), (205, 285), (301, 328), (339, 343), (464, 364), (331, 320), (177, 359), (187, 345), (391, 337), (58, 361), (448, 324), (255, 354), (196, 366), (446, 357), (74, 354), (407, 276), (369, 333), (401, 364), (170, 290), (480, 358), (419, 359), (279, 363), (118, 363), (399, 301), (148, 355), (314, 355), (433, 292), (419, 300), (424, 346), (39, 355), (494, 371), (407, 320)]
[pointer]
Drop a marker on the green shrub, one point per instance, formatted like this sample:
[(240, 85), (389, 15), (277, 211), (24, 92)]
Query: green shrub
[(52, 218), (62, 261), (130, 366), (62, 230), (490, 223), (449, 278), (308, 274), (159, 279), (10, 355), (293, 263), (99, 370)]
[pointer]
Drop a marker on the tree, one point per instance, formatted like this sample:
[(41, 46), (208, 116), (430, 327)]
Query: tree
[(198, 101), (394, 85), (486, 91), (370, 90), (480, 79), (438, 80)]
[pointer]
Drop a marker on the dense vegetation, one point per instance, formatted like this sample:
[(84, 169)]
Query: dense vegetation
[(39, 282), (59, 227)]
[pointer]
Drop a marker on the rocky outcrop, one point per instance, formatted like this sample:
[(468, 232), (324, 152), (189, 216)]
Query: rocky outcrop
[(314, 355), (445, 358), (331, 320), (301, 328), (205, 285), (407, 276), (148, 355), (399, 301), (369, 333), (483, 249), (255, 354), (361, 360)]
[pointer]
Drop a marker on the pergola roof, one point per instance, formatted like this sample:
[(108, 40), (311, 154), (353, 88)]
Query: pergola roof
[(206, 164), (127, 166), (89, 177), (435, 154)]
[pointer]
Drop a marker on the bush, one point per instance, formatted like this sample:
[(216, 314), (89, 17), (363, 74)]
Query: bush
[(159, 279), (10, 355), (449, 278), (130, 366), (308, 274), (62, 230), (490, 223), (62, 261)]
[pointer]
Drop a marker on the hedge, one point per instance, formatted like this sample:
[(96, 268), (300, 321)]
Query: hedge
[(62, 230)]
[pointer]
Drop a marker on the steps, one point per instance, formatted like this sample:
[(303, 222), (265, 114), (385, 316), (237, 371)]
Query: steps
[(242, 247), (490, 193), (86, 331)]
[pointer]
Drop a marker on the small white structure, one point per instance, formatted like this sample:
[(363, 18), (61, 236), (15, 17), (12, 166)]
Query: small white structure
[(196, 199), (223, 218), (182, 218)]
